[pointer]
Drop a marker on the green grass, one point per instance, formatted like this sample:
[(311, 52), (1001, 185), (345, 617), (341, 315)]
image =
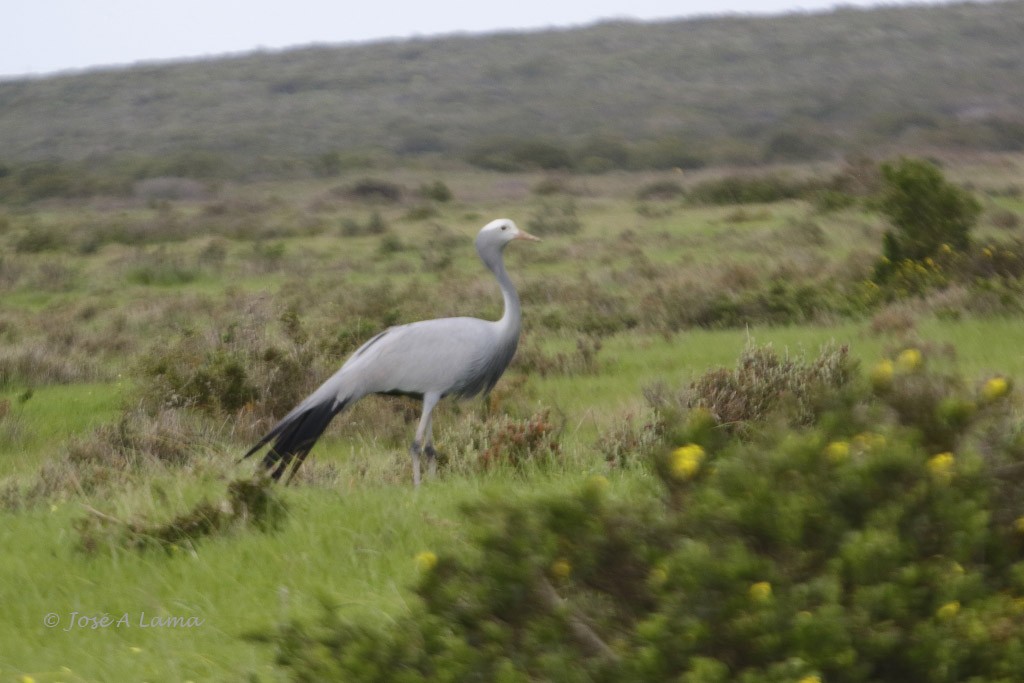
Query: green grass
[(357, 548), (49, 416), (354, 537)]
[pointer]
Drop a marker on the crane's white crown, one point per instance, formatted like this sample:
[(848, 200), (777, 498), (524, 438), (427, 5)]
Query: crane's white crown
[(504, 230)]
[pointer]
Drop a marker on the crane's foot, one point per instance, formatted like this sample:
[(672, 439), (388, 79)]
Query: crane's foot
[(431, 460)]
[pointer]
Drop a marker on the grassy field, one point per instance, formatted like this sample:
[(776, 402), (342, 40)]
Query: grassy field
[(112, 312)]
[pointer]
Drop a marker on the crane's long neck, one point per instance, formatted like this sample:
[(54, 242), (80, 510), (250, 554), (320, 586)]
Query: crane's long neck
[(512, 317)]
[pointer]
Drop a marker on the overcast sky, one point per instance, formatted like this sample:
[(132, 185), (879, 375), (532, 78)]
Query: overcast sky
[(45, 36)]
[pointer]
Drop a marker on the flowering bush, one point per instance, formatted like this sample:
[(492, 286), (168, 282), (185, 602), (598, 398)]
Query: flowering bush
[(881, 541)]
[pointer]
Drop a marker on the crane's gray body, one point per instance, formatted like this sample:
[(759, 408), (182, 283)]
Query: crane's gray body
[(452, 356), (429, 360)]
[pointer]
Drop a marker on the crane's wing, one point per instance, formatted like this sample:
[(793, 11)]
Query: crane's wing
[(445, 356)]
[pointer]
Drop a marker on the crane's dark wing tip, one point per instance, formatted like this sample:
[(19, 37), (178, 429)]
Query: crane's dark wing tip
[(293, 437)]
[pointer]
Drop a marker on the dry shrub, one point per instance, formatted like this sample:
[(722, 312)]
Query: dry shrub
[(898, 319), (763, 381), (734, 277), (630, 441), (552, 219), (479, 442), (763, 384), (250, 502), (34, 362), (662, 190), (11, 271), (245, 370), (533, 360), (113, 454), (170, 188), (802, 233), (1004, 219)]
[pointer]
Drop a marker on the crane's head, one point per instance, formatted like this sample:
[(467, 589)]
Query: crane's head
[(500, 232)]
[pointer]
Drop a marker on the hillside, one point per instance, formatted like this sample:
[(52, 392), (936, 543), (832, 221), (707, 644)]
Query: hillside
[(673, 93)]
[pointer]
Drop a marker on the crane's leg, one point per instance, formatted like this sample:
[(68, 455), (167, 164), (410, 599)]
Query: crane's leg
[(424, 436)]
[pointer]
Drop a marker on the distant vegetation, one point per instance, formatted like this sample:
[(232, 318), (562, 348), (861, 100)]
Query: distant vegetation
[(616, 95), (188, 250)]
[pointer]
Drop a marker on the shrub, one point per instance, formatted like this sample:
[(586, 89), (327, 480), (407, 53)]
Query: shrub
[(373, 190), (512, 442), (111, 455), (436, 191), (660, 189), (762, 385), (517, 154), (925, 210), (158, 269), (495, 440), (821, 553), (168, 188), (242, 370), (555, 219), (249, 502), (375, 225), (583, 361), (38, 239), (1005, 219), (553, 184), (438, 252), (749, 189)]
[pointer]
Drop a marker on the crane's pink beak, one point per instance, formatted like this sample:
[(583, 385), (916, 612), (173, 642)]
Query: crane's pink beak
[(523, 235)]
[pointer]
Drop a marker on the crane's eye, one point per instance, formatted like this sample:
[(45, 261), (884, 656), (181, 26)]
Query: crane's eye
[(504, 227)]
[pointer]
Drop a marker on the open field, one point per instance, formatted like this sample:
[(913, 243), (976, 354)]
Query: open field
[(144, 343)]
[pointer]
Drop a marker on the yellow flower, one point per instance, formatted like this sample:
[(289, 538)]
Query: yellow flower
[(941, 466), (946, 249), (995, 389), (987, 252), (561, 569), (27, 679), (810, 679), (948, 611), (837, 451), (426, 560), (598, 484), (909, 360), (658, 576), (760, 591), (881, 375), (1018, 524), (686, 461), (136, 649)]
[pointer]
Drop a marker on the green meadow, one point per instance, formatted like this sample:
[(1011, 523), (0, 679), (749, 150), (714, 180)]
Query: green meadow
[(145, 343)]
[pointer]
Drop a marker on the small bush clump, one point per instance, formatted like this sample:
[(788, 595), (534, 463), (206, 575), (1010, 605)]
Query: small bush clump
[(436, 191), (249, 503), (925, 210), (750, 189), (555, 219), (244, 370), (375, 190), (660, 190), (582, 361), (500, 441)]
